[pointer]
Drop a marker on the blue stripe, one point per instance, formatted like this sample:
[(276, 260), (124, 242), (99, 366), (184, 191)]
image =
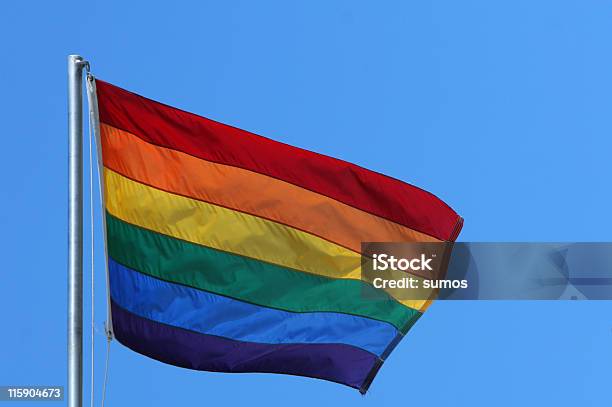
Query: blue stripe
[(212, 314)]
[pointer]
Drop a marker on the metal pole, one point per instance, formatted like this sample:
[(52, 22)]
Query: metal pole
[(75, 230)]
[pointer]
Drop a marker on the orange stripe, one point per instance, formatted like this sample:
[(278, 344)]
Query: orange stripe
[(246, 191)]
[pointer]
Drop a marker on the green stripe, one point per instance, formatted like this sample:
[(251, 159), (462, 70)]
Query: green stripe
[(247, 279)]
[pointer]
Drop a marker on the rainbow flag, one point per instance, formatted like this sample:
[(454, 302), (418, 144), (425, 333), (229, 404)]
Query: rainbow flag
[(231, 252)]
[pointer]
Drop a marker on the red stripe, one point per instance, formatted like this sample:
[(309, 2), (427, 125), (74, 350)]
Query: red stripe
[(369, 191)]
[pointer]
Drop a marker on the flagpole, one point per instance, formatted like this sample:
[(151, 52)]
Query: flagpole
[(75, 230)]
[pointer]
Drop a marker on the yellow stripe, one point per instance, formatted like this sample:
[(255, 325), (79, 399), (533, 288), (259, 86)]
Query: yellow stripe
[(228, 230)]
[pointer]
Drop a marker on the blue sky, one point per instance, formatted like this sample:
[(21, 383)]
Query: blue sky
[(500, 108)]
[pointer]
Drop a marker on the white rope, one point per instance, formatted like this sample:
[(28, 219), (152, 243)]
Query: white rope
[(92, 237), (107, 329), (108, 343)]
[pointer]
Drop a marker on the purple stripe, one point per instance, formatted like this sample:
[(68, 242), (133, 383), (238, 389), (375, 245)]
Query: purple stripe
[(180, 347)]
